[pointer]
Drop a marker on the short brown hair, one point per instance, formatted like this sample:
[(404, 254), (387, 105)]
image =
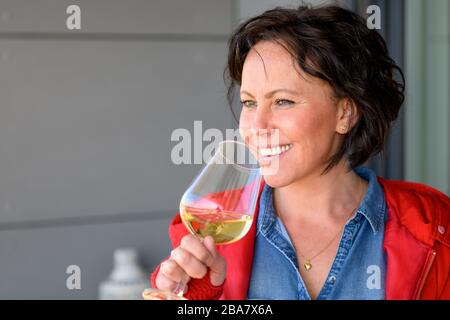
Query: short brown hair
[(335, 45)]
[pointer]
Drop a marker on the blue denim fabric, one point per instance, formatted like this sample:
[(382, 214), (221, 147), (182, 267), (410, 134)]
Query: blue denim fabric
[(358, 270)]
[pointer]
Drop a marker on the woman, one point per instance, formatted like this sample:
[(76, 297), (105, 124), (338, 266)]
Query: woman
[(325, 227)]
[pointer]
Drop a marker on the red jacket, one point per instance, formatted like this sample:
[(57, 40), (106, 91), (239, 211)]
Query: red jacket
[(416, 242)]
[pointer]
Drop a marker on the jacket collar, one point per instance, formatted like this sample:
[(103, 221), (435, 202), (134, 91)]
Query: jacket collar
[(422, 210), (418, 217)]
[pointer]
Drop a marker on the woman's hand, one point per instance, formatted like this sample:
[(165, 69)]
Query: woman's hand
[(192, 259)]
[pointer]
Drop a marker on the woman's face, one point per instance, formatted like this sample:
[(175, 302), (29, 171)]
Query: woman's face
[(285, 107)]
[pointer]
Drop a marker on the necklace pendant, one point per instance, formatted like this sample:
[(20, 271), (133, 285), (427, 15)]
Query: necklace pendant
[(307, 266)]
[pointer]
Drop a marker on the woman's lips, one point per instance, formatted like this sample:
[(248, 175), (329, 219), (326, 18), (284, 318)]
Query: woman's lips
[(265, 157)]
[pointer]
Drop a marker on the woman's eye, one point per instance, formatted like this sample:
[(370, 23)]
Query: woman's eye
[(248, 103), (283, 102)]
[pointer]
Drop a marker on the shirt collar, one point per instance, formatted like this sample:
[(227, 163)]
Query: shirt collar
[(267, 216), (372, 206)]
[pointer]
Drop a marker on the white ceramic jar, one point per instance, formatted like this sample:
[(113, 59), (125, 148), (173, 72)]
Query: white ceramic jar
[(127, 281)]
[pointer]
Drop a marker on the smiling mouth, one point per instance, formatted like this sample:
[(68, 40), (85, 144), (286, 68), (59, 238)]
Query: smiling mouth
[(274, 151)]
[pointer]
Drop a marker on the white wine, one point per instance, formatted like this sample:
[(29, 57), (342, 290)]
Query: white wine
[(224, 226)]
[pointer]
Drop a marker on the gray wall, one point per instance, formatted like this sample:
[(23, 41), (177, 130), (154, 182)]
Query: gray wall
[(85, 124)]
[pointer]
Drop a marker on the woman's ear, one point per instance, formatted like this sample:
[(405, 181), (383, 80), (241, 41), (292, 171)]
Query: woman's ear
[(347, 115)]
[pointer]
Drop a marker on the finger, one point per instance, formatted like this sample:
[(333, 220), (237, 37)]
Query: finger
[(171, 270), (189, 263), (210, 245), (218, 269), (164, 283), (194, 245)]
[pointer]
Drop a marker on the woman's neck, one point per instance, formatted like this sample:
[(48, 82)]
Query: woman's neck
[(316, 199)]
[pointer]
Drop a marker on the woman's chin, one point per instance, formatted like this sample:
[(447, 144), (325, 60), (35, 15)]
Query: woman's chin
[(276, 180)]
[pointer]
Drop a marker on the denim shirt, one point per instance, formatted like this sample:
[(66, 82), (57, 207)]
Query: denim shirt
[(359, 267)]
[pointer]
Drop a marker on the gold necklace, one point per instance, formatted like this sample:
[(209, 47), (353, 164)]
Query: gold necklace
[(308, 265)]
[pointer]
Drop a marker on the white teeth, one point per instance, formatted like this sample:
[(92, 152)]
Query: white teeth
[(275, 151)]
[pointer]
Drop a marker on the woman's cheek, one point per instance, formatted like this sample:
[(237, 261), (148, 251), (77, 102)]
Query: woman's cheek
[(316, 139), (244, 127), (305, 130)]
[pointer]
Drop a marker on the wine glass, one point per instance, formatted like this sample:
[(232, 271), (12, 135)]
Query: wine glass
[(220, 201)]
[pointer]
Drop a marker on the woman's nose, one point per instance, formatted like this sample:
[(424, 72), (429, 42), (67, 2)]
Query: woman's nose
[(262, 119), (264, 127)]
